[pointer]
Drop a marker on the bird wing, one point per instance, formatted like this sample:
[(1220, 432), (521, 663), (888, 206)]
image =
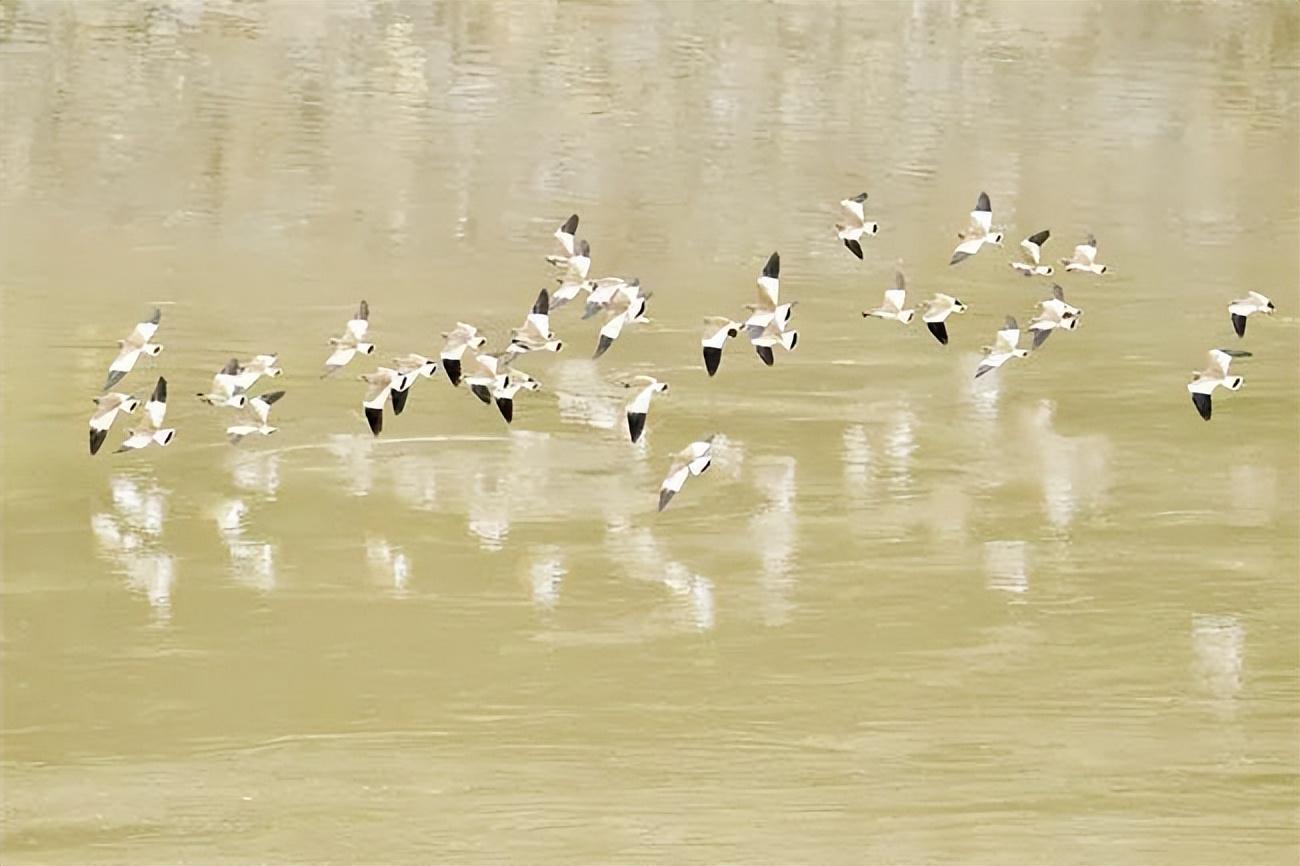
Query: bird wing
[(1085, 253), (1032, 250), (142, 333), (565, 233), (640, 404), (895, 298), (967, 248), (124, 361), (854, 210), (1007, 339), (156, 409), (357, 328)]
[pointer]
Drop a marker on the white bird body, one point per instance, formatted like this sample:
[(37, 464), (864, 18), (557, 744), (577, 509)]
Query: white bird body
[(151, 431), (411, 368), (717, 330), (1033, 265), (381, 384), (1204, 382), (694, 459), (639, 406), (256, 420), (1085, 258), (895, 299), (259, 366), (456, 343), (764, 338), (226, 390), (137, 343), (575, 263), (979, 233), (506, 386), (855, 224), (769, 307), (1055, 314), (625, 308), (1004, 348), (936, 313), (535, 334), (107, 407), (351, 341), (1253, 303)]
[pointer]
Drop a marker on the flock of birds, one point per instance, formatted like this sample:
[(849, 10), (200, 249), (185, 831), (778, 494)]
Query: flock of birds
[(493, 378)]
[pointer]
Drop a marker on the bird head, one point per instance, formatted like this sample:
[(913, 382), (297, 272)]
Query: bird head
[(996, 238), (131, 405), (958, 306), (1268, 311), (555, 345), (153, 348), (662, 387), (1047, 270), (1102, 270)]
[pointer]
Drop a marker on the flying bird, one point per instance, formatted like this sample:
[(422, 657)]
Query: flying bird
[(382, 383), (1215, 374), (259, 366), (603, 292), (639, 406), (457, 341), (1032, 266), (225, 387), (507, 386), (937, 311), (980, 231), (892, 308), (411, 367), (1084, 259), (764, 338), (136, 343), (769, 304), (106, 408), (1055, 314), (623, 309), (351, 341), (575, 262), (691, 460), (1253, 303), (151, 431), (566, 235), (1004, 348), (717, 330), (855, 224), (256, 419), (536, 334)]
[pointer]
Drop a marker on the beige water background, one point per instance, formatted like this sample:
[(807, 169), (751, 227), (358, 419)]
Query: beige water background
[(907, 618)]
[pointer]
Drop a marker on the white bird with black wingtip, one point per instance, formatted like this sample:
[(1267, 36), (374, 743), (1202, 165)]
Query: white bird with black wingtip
[(461, 339), (256, 420), (351, 341), (1204, 382), (1085, 258), (639, 406), (381, 384), (892, 306), (535, 335), (226, 390), (979, 233), (717, 330), (769, 304), (1054, 314), (1005, 347), (259, 366), (138, 342), (936, 312), (411, 368), (151, 431), (626, 308), (1033, 266), (107, 407), (855, 224), (1253, 303), (694, 459)]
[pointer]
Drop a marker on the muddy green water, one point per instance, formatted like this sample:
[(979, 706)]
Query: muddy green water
[(907, 618)]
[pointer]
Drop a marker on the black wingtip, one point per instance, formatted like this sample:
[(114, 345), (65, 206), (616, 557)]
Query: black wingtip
[(635, 424), (570, 225), (363, 311), (271, 397), (712, 359), (602, 346), (1039, 238), (481, 392), (1202, 404), (542, 306), (940, 331), (451, 367), (507, 408), (983, 203), (958, 257), (665, 496), (1239, 324), (860, 197), (398, 399), (1040, 337), (854, 247), (375, 418), (765, 352), (97, 438), (155, 317), (773, 267), (160, 391)]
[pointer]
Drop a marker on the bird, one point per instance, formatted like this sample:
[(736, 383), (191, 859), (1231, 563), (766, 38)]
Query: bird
[(1004, 348), (1084, 259), (106, 408), (856, 224), (226, 390), (639, 406), (1054, 313), (137, 342), (892, 308), (980, 231), (1215, 374), (536, 334), (259, 410), (351, 341), (151, 432), (567, 290), (717, 330), (1253, 303), (769, 304), (507, 386), (602, 292), (576, 260), (457, 341), (1032, 266), (566, 235), (624, 309), (411, 367), (691, 460), (259, 366), (382, 382), (481, 370), (764, 338), (937, 311)]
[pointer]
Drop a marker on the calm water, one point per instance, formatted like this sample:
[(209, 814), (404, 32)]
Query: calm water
[(1049, 617)]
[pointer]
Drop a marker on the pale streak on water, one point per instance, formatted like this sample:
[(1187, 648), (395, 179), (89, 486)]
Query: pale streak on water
[(1046, 616)]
